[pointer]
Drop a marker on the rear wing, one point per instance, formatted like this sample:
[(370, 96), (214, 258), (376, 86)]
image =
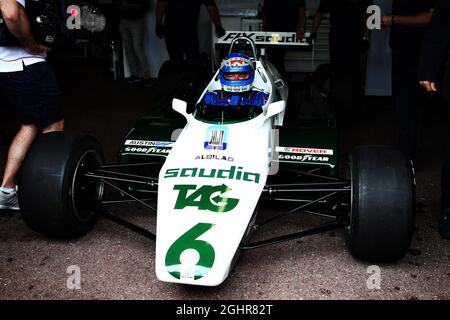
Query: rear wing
[(262, 40)]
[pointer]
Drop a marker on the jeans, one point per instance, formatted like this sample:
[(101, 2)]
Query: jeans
[(133, 38)]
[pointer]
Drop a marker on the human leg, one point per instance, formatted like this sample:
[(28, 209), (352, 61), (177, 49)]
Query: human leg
[(405, 93), (126, 34), (173, 44), (138, 38), (16, 154)]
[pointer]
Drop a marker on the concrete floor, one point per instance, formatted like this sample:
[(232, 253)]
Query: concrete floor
[(118, 264)]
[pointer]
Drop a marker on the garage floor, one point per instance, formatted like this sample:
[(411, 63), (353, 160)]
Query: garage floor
[(118, 264)]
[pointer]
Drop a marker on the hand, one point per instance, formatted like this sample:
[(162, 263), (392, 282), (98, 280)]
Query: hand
[(312, 38), (301, 34), (430, 86), (36, 48), (159, 30), (386, 21), (220, 31)]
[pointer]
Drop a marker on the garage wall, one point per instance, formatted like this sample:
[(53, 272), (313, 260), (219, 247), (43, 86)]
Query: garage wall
[(156, 50)]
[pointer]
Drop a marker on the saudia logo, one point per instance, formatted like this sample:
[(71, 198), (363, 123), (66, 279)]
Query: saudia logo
[(234, 173), (205, 198)]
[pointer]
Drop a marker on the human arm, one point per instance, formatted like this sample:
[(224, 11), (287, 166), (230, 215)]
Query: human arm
[(18, 24), (301, 25), (160, 13), (324, 7), (214, 15), (416, 20), (435, 46)]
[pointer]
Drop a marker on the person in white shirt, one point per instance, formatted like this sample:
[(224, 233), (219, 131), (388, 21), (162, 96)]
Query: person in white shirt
[(32, 91)]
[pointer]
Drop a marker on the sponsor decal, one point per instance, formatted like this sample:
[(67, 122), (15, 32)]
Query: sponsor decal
[(216, 138), (234, 173), (305, 150), (145, 143), (306, 158), (204, 198), (214, 157), (147, 150), (237, 62), (191, 258), (270, 38)]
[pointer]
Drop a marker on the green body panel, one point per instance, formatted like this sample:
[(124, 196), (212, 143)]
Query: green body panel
[(147, 129), (324, 138), (321, 137)]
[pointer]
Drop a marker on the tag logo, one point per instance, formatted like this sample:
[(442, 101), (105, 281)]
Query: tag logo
[(205, 198)]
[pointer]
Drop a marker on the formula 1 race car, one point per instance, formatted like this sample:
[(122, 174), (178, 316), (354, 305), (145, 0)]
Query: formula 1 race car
[(212, 178)]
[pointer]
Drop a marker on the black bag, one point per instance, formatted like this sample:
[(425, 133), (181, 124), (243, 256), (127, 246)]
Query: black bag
[(47, 21)]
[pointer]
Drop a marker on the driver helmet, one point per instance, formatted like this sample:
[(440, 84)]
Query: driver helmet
[(237, 73)]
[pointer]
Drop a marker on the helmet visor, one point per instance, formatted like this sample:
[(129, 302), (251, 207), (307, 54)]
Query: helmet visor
[(236, 76)]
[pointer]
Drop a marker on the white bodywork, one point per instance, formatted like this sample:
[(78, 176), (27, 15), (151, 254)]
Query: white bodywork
[(208, 192)]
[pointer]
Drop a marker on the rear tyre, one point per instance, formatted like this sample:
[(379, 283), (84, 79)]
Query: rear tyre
[(383, 204), (55, 197)]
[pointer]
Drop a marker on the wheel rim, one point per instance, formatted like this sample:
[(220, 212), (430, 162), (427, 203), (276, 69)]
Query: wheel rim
[(86, 192)]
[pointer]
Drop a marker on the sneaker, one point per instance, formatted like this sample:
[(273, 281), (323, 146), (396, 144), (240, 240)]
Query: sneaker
[(444, 224), (9, 201), (133, 80)]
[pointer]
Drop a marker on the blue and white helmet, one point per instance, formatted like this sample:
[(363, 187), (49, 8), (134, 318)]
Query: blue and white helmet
[(237, 73)]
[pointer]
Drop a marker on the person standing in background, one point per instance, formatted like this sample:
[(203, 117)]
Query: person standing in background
[(32, 91), (133, 30), (435, 50), (288, 16), (176, 22), (408, 23), (348, 41)]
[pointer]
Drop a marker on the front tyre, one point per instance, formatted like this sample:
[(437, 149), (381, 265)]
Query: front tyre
[(383, 204), (56, 198)]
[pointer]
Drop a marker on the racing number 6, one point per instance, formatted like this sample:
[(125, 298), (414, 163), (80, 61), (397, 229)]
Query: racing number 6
[(187, 241)]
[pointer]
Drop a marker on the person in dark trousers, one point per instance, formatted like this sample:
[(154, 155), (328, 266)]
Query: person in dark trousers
[(176, 22), (32, 91), (290, 16), (133, 30), (408, 23), (348, 41), (435, 50)]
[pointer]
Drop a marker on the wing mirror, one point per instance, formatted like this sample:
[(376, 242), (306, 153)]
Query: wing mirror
[(180, 106), (273, 109)]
